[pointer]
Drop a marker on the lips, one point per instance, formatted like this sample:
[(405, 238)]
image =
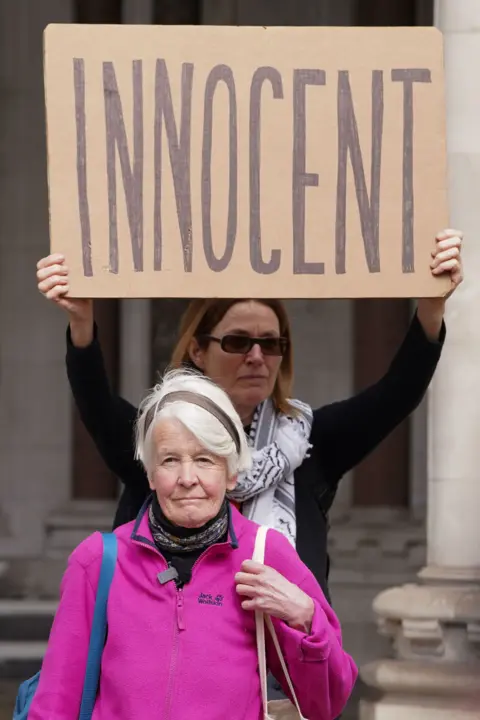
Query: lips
[(253, 377), (188, 499)]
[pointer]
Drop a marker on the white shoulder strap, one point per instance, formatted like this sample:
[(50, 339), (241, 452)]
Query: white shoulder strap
[(260, 620)]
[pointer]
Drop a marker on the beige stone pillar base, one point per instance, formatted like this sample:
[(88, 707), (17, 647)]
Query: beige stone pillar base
[(416, 690), (435, 631)]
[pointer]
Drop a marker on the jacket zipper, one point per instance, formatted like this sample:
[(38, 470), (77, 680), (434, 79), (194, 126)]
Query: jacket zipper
[(178, 625), (180, 618), (205, 553)]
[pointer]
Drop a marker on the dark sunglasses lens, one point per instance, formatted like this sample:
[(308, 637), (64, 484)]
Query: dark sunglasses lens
[(272, 346), (237, 344), (242, 344)]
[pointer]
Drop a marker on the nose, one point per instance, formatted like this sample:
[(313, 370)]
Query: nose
[(187, 476), (255, 355)]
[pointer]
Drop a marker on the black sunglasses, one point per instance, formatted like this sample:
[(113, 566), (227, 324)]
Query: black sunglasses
[(242, 344)]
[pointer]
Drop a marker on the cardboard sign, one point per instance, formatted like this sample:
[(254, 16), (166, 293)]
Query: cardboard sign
[(246, 162)]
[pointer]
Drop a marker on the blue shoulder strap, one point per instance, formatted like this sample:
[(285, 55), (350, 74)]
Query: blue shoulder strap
[(99, 626)]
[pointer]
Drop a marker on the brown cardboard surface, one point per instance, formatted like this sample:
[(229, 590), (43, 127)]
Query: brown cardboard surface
[(246, 162)]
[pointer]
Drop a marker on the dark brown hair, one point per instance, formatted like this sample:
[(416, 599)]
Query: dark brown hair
[(201, 316)]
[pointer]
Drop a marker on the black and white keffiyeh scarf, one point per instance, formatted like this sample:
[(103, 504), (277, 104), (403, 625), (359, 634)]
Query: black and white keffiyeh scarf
[(279, 445)]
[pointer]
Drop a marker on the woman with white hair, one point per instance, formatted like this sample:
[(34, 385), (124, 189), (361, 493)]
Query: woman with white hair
[(181, 641)]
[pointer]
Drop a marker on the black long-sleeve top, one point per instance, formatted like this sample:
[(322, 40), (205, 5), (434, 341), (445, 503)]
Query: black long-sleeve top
[(343, 434)]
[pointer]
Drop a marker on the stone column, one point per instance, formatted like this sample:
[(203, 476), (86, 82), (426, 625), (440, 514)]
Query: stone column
[(454, 418), (94, 487), (34, 396), (135, 349), (435, 624)]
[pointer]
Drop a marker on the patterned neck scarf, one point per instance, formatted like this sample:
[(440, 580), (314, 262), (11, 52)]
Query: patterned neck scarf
[(279, 443), (174, 539)]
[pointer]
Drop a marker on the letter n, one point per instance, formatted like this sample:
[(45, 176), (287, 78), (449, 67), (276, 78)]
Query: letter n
[(349, 143), (132, 175)]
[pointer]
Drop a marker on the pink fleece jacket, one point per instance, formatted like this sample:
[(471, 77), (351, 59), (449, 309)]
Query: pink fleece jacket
[(185, 654)]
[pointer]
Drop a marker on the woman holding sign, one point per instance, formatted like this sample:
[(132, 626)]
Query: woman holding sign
[(299, 454)]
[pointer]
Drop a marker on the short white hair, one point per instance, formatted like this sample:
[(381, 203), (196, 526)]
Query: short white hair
[(206, 428)]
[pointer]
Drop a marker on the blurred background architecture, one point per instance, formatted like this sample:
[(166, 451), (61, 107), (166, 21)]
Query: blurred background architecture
[(54, 489)]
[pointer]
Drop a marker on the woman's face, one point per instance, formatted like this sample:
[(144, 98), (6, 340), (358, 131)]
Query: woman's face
[(189, 481), (247, 378)]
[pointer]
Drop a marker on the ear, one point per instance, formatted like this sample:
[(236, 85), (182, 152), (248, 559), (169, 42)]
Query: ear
[(196, 354), (231, 483)]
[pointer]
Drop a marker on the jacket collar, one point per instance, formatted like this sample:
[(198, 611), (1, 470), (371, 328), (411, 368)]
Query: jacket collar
[(141, 530)]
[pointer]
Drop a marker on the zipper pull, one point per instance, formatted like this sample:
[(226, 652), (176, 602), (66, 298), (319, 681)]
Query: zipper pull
[(180, 618)]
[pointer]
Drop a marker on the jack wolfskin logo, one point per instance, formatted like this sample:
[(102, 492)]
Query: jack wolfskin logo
[(208, 599)]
